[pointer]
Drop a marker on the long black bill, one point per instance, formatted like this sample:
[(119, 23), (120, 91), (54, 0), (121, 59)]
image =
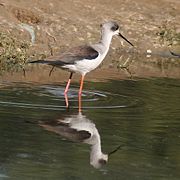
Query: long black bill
[(125, 39), (112, 152)]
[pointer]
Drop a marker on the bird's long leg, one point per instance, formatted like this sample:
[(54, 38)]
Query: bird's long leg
[(66, 100), (68, 84), (66, 90), (80, 92), (51, 70), (81, 85)]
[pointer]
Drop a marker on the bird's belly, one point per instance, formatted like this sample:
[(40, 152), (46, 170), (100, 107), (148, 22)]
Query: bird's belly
[(86, 65)]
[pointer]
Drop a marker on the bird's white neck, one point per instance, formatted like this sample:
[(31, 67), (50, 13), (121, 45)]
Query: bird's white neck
[(95, 150), (106, 38)]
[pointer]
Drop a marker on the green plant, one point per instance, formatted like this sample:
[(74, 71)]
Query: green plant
[(13, 53), (168, 34)]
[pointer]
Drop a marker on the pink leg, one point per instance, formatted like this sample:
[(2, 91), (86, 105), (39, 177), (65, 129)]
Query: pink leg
[(80, 92), (66, 100), (81, 85), (66, 90), (68, 84)]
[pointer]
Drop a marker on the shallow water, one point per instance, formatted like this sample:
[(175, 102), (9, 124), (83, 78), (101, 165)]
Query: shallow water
[(142, 116)]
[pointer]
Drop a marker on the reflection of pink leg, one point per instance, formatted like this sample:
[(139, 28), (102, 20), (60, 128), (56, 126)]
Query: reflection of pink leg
[(80, 104)]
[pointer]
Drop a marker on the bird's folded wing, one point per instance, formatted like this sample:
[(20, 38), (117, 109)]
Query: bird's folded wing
[(73, 55), (67, 132)]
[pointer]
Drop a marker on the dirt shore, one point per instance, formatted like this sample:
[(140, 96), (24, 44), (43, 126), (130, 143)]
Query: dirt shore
[(61, 23), (53, 25)]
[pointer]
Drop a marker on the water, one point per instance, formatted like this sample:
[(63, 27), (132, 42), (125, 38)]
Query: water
[(141, 116)]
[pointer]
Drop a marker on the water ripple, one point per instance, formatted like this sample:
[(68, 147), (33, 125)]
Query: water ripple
[(52, 97)]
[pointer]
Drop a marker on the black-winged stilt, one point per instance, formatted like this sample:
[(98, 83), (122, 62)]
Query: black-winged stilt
[(78, 128), (83, 59)]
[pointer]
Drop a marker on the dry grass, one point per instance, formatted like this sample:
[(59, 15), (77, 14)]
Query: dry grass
[(13, 53)]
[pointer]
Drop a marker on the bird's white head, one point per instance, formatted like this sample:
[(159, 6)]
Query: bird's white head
[(98, 162), (112, 28), (98, 159)]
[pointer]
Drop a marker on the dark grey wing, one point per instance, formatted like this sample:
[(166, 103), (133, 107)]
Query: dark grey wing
[(73, 55), (70, 57), (65, 131)]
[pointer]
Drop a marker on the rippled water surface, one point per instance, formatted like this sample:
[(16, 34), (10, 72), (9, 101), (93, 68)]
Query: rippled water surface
[(142, 116)]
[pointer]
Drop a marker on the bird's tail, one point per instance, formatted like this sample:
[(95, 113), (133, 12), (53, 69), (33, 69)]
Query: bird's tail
[(52, 63), (39, 61)]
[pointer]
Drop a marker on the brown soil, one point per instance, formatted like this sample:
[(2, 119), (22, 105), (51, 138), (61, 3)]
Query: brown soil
[(76, 22), (60, 24), (114, 67)]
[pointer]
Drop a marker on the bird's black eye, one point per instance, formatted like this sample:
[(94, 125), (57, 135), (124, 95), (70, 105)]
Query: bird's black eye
[(115, 27), (102, 161)]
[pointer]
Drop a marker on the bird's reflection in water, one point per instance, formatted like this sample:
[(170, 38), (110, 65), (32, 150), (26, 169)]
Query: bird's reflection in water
[(78, 128)]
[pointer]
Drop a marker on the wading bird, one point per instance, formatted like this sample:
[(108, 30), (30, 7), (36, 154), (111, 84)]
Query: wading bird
[(83, 59)]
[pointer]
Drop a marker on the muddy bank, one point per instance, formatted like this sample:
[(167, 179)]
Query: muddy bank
[(50, 26), (154, 25), (116, 66)]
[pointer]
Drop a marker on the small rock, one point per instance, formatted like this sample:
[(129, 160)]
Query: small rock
[(149, 51)]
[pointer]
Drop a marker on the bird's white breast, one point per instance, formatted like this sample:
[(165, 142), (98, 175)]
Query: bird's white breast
[(86, 65)]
